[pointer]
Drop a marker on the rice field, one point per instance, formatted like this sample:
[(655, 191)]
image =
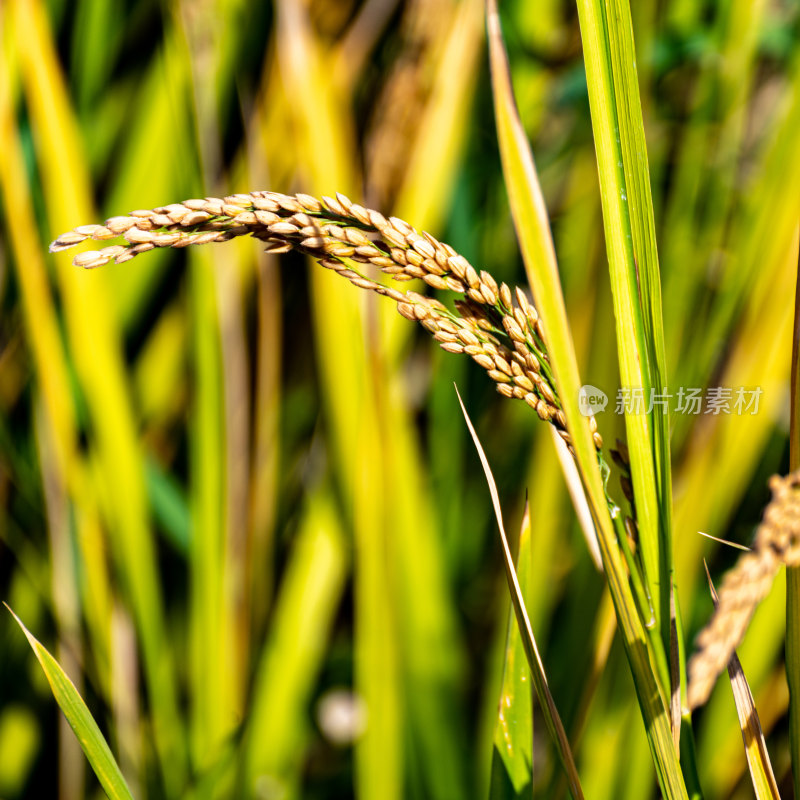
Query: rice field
[(242, 514)]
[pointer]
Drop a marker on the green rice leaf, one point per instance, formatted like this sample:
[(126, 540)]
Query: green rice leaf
[(80, 719), (549, 711), (513, 733), (533, 232), (635, 281)]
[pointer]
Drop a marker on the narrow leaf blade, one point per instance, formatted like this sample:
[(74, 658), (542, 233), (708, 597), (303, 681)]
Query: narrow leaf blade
[(755, 748), (793, 573), (549, 711), (530, 220), (536, 242), (80, 719), (513, 733)]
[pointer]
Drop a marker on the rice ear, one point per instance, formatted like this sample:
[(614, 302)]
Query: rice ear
[(497, 327)]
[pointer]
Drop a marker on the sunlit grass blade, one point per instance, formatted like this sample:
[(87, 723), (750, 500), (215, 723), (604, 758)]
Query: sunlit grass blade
[(52, 367), (220, 621), (324, 138), (81, 721), (704, 188), (38, 304), (734, 444), (758, 761), (441, 81), (263, 278), (793, 573), (533, 232), (633, 262), (94, 337), (549, 710), (211, 647), (66, 608), (370, 425), (153, 137), (90, 65), (305, 612), (427, 178), (266, 451), (513, 735), (433, 655), (324, 133), (532, 227), (761, 228), (755, 747), (725, 765)]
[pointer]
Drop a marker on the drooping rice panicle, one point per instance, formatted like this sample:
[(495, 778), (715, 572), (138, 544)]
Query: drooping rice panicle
[(777, 542), (498, 328)]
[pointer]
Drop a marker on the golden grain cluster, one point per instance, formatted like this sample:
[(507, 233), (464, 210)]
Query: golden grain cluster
[(498, 328)]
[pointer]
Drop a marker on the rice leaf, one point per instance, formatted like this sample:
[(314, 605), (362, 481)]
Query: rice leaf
[(438, 145), (533, 231), (549, 710), (733, 445), (513, 734), (531, 223), (633, 262), (80, 719), (293, 654), (388, 652), (94, 336), (212, 673)]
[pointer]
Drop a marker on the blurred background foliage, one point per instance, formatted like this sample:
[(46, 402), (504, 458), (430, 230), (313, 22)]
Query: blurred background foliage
[(237, 499)]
